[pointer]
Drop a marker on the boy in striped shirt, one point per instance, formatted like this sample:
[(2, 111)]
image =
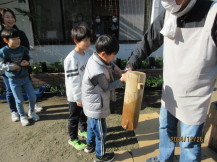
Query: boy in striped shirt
[(74, 66)]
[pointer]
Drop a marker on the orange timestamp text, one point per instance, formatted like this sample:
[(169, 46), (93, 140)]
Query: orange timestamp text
[(187, 139)]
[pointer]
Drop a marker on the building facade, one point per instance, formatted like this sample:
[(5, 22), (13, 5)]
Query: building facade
[(49, 23)]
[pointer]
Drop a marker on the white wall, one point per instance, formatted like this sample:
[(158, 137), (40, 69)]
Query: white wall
[(52, 53)]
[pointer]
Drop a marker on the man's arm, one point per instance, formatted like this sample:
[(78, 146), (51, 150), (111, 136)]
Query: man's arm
[(214, 31), (151, 41)]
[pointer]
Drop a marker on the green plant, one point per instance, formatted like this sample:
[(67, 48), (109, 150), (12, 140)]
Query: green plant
[(36, 68), (159, 62), (145, 64), (60, 88), (154, 81), (123, 63), (152, 62), (54, 89), (56, 67)]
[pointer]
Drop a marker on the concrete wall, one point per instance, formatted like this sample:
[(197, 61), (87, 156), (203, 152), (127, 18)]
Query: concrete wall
[(52, 53)]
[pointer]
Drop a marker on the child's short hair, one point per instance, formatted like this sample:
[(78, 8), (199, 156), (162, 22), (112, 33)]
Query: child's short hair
[(9, 33), (107, 44), (80, 32)]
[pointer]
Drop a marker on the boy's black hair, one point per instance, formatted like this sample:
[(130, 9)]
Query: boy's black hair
[(107, 44), (9, 33), (80, 32)]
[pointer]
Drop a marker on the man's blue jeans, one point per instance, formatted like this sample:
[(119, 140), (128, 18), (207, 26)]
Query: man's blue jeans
[(190, 151), (9, 95), (17, 85), (96, 134)]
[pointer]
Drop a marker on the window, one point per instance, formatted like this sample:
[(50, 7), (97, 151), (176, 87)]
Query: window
[(55, 19)]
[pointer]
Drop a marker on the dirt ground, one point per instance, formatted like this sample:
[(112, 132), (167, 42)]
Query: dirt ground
[(46, 140)]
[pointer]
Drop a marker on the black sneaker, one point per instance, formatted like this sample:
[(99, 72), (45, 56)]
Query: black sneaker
[(89, 149), (106, 158)]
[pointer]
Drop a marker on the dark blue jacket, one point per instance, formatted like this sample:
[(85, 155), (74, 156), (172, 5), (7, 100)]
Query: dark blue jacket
[(16, 56)]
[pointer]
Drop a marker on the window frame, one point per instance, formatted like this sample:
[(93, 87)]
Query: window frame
[(65, 41)]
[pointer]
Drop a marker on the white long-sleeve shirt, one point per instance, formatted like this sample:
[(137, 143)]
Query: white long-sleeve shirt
[(74, 66)]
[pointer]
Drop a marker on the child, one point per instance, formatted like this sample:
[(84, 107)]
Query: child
[(18, 79), (8, 19), (74, 66), (96, 89)]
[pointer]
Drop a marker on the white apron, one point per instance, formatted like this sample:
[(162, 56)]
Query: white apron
[(190, 69)]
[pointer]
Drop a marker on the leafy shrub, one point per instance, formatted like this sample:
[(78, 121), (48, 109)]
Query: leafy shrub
[(154, 81), (159, 62), (152, 61), (56, 67), (123, 63), (145, 64), (60, 88), (36, 68)]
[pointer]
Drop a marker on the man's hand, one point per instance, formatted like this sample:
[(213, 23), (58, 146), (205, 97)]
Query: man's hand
[(24, 63), (79, 104)]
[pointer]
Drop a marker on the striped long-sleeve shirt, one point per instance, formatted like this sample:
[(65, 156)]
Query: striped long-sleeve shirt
[(74, 66)]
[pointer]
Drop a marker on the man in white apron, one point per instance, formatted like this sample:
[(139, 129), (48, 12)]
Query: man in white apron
[(188, 30)]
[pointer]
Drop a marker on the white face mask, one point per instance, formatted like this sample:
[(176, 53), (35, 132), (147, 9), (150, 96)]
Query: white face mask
[(171, 6), (114, 20), (98, 20)]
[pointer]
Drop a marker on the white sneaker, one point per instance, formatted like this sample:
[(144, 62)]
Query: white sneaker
[(24, 121), (34, 116), (38, 108), (15, 117)]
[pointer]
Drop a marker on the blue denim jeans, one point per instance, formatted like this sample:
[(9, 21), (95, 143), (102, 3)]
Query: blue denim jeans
[(190, 150), (17, 85), (9, 95), (96, 135)]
